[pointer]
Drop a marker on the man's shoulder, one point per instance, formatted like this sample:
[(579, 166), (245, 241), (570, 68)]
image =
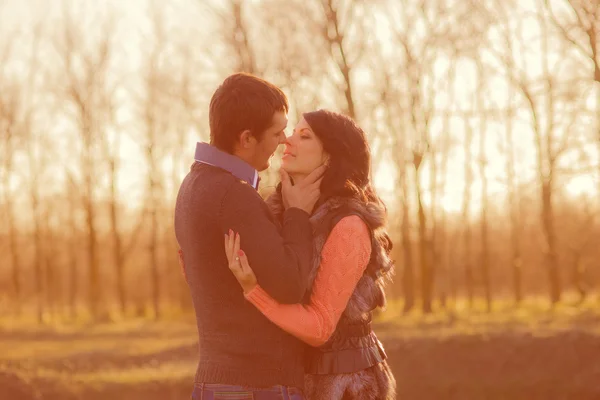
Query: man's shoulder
[(219, 182)]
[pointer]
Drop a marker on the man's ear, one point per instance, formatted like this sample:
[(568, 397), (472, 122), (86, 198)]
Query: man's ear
[(246, 139)]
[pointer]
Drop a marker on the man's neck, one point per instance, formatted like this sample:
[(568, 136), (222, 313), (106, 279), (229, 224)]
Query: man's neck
[(207, 154), (245, 157)]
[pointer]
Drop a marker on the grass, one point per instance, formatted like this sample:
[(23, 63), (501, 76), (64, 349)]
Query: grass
[(531, 352), (122, 360), (532, 315)]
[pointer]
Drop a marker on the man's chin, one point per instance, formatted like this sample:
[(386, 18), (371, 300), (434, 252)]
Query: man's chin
[(265, 166)]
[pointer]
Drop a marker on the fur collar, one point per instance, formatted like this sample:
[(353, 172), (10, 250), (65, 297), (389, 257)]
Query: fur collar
[(369, 292)]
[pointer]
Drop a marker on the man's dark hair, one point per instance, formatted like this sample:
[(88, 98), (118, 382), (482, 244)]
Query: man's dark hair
[(243, 102)]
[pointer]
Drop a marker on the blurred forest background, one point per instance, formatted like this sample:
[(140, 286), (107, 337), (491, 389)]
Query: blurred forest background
[(483, 118)]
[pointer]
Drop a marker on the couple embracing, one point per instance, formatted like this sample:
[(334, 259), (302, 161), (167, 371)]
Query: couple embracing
[(283, 289)]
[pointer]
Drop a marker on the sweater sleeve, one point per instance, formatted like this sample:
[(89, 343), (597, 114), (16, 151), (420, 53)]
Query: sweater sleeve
[(280, 258), (345, 256)]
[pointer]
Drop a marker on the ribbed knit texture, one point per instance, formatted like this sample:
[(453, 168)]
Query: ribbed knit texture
[(237, 344)]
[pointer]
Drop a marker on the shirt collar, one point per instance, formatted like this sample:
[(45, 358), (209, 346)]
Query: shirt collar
[(209, 154)]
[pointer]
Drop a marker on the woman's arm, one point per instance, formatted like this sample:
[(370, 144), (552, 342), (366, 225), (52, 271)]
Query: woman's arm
[(345, 256)]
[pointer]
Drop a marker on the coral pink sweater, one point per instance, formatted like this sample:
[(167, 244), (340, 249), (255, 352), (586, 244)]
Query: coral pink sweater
[(345, 256)]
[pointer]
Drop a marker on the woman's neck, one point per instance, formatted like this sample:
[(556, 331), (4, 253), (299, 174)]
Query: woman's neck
[(297, 178)]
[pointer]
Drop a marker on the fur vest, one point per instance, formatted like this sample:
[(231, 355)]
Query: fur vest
[(351, 365)]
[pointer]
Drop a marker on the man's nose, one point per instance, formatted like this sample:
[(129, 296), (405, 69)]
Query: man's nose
[(283, 139)]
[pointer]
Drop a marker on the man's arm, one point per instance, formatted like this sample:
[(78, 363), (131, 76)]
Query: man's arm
[(282, 259)]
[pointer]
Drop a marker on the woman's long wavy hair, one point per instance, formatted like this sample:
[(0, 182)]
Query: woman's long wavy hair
[(349, 170)]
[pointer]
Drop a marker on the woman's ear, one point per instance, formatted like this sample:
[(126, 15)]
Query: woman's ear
[(326, 160)]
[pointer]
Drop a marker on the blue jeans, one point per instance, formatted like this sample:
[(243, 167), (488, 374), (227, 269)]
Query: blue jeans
[(215, 391)]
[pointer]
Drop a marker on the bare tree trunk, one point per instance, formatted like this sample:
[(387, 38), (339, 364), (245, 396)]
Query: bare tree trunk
[(116, 235), (485, 247), (246, 59), (424, 253), (545, 174), (515, 211), (398, 143), (434, 256), (9, 110), (514, 200), (10, 220), (578, 273), (121, 249), (51, 282), (546, 166), (92, 259), (234, 31), (26, 131), (453, 246), (112, 159), (154, 262), (152, 126), (417, 60), (72, 247), (408, 276), (545, 147), (85, 72), (442, 266), (336, 36), (485, 250), (188, 107), (467, 212), (442, 259), (550, 236), (578, 242), (419, 116), (36, 214), (14, 255), (152, 202), (38, 254)]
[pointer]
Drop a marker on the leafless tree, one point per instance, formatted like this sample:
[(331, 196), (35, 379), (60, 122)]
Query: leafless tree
[(36, 150), (543, 96), (441, 234), (507, 146), (579, 24), (466, 212), (71, 240), (233, 31), (578, 237), (85, 65), (9, 109), (419, 111), (338, 22), (484, 260), (156, 112)]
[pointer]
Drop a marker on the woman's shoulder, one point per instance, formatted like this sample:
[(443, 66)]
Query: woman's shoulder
[(350, 225)]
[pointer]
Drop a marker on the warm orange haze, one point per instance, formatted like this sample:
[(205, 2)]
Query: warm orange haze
[(483, 119)]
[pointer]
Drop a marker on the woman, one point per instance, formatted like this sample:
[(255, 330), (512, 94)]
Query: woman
[(351, 262)]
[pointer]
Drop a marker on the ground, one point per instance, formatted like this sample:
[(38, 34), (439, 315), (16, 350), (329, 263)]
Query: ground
[(527, 353)]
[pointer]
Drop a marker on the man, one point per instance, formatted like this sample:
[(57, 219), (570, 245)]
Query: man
[(241, 352)]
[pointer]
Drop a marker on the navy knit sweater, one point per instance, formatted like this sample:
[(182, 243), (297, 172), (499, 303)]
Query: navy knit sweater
[(237, 344)]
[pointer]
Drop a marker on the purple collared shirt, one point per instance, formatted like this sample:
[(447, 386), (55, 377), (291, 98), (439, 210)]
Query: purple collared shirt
[(208, 154)]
